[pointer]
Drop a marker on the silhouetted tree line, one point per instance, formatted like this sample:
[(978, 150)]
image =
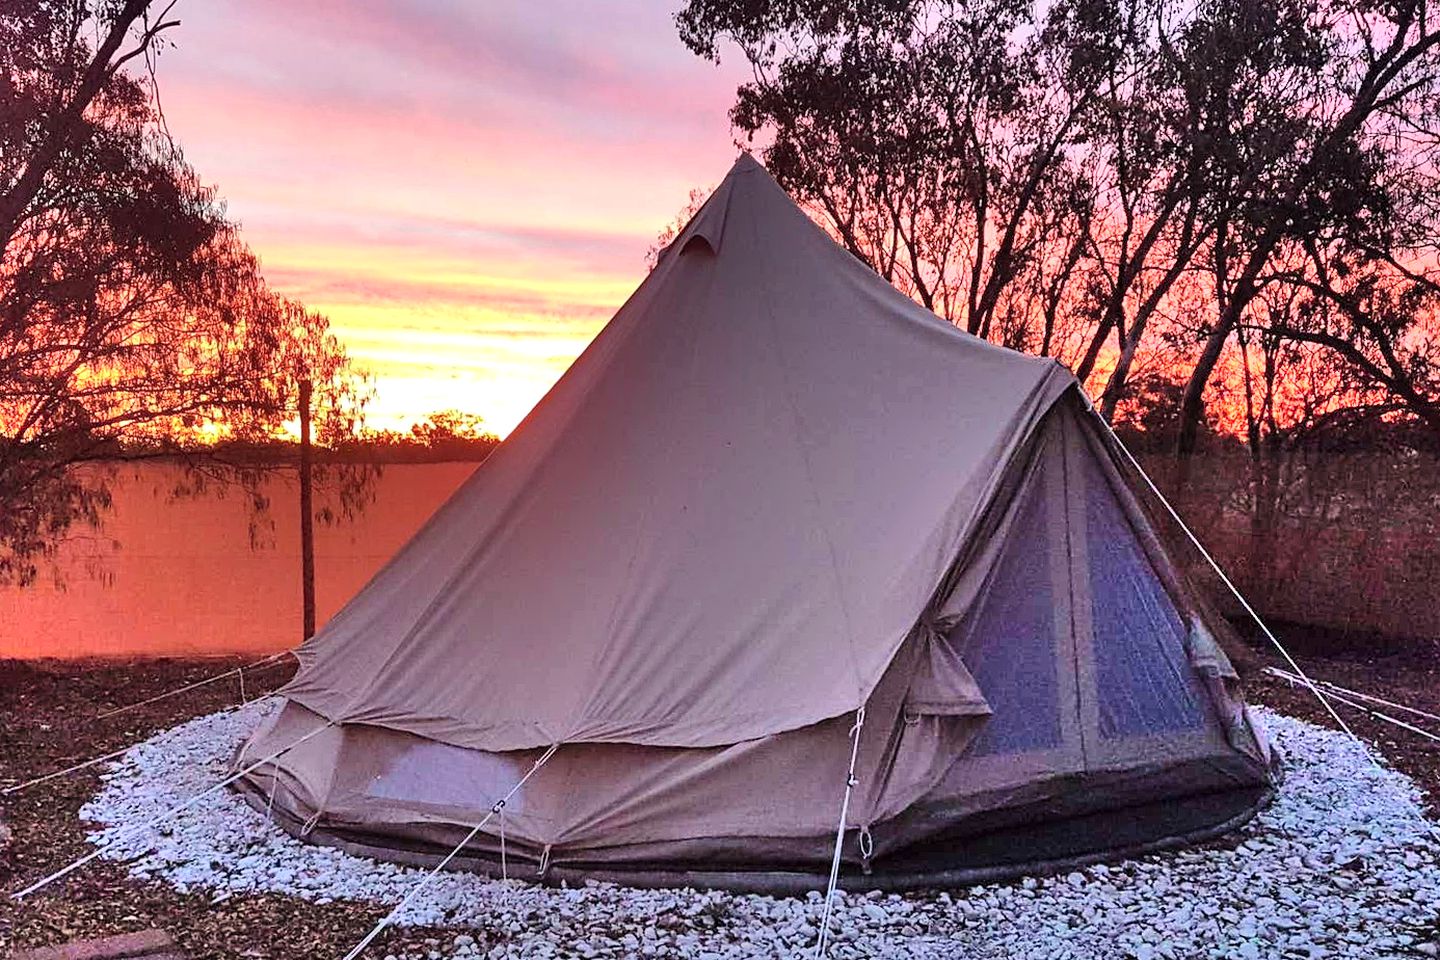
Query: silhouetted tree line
[(1219, 212), (1221, 215), (1343, 533), (133, 318), (444, 436)]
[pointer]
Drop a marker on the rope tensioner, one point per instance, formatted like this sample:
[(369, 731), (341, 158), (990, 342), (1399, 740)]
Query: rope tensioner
[(851, 781)]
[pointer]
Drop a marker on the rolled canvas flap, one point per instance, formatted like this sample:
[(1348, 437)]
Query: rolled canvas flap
[(1222, 682), (1206, 654), (941, 686)]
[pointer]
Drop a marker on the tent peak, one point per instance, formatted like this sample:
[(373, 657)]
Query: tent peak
[(746, 163), (708, 225)]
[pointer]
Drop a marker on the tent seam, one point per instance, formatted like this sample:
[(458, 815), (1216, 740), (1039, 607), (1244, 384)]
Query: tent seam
[(641, 527)]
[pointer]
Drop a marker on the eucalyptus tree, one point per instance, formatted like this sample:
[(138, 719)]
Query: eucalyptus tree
[(1117, 182), (1341, 192), (931, 139), (134, 322)]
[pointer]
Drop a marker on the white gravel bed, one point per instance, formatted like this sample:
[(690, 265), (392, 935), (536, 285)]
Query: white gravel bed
[(1343, 864)]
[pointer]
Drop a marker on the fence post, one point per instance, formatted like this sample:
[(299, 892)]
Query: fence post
[(307, 518)]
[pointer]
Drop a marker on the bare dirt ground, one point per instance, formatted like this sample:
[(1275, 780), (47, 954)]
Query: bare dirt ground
[(1411, 678), (48, 713)]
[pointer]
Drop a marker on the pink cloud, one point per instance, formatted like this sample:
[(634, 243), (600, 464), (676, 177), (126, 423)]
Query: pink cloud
[(494, 169)]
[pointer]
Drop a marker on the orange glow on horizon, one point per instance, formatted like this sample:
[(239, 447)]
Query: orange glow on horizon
[(467, 193)]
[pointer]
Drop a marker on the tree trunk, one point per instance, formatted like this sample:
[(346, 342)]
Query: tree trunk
[(1092, 352), (61, 127), (1267, 525), (1192, 404)]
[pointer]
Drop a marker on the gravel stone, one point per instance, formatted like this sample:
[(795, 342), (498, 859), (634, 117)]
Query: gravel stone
[(1344, 863)]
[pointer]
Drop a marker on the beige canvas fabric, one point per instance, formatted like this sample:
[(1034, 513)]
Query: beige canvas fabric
[(774, 491), (765, 419), (758, 805)]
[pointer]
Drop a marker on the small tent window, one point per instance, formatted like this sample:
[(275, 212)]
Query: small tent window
[(699, 242), (439, 774)]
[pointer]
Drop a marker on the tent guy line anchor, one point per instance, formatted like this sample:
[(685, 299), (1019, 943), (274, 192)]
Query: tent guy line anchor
[(271, 660), (155, 821), (1330, 692), (73, 768), (1371, 698), (497, 807), (113, 754), (823, 942)]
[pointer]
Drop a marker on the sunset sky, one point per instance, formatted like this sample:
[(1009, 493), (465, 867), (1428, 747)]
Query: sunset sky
[(467, 190)]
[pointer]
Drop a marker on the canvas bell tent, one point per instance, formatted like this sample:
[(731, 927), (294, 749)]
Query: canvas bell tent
[(774, 512)]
